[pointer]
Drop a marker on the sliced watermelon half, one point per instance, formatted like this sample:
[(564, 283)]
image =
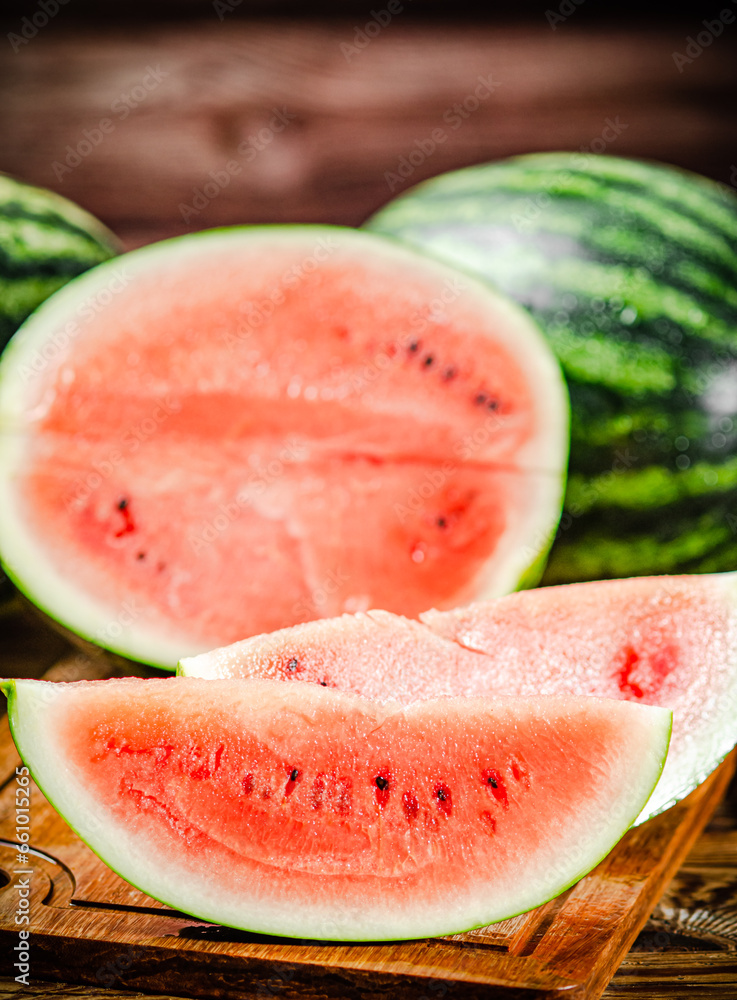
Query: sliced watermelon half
[(231, 432), (668, 641), (298, 811)]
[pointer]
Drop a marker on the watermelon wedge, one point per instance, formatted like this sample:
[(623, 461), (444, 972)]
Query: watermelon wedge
[(228, 433), (299, 811), (669, 641)]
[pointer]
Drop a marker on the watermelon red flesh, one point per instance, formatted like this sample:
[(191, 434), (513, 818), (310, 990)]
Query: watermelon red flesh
[(630, 268), (313, 813), (283, 551), (227, 472), (669, 641), (378, 655)]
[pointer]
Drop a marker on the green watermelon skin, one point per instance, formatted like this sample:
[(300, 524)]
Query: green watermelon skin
[(631, 270), (45, 241)]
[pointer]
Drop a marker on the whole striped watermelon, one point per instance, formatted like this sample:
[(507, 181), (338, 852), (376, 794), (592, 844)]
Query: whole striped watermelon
[(631, 269), (45, 241)]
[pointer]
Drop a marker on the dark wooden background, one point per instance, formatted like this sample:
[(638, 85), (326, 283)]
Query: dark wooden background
[(352, 116), (198, 84)]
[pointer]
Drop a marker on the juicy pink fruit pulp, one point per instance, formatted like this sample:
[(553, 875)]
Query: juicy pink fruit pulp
[(230, 449), (667, 641), (275, 798), (658, 640)]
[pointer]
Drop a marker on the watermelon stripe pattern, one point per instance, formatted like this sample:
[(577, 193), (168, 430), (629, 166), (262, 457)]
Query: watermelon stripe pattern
[(45, 241), (631, 269)]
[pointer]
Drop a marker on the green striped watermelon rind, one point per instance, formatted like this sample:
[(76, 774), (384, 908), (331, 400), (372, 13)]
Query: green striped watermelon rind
[(45, 240), (606, 252)]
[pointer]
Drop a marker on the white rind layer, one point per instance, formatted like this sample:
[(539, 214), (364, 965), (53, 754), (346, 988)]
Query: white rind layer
[(36, 707), (53, 589)]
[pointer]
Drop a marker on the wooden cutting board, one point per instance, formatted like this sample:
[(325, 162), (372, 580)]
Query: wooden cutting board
[(89, 926)]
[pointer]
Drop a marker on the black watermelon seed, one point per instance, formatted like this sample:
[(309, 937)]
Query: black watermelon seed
[(428, 361), (449, 373), (493, 780), (294, 776), (492, 405), (383, 786), (414, 346), (293, 664), (128, 524), (480, 399), (324, 683), (442, 523), (442, 794), (141, 555)]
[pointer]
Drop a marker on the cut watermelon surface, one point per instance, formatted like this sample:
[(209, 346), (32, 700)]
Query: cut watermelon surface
[(630, 269), (232, 432), (668, 641), (295, 810)]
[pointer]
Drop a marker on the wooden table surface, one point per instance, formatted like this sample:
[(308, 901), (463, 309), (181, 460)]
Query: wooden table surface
[(318, 123)]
